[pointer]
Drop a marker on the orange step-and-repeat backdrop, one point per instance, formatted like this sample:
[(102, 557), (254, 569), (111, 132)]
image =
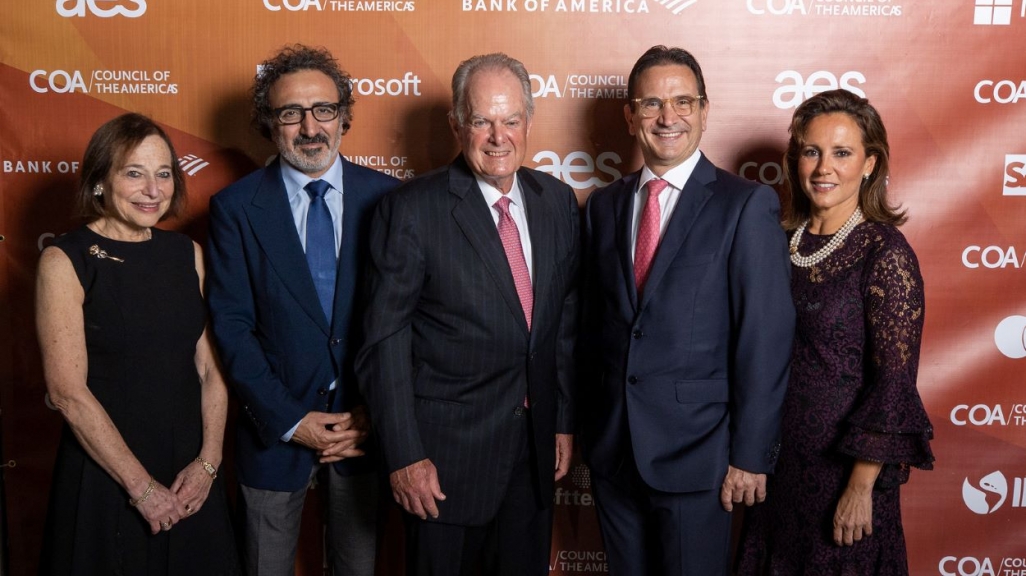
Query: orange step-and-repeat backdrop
[(949, 77)]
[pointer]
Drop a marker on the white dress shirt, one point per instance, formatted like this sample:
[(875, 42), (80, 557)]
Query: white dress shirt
[(676, 177)]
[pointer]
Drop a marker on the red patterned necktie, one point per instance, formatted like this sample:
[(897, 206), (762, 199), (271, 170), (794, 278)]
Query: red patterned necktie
[(648, 233), (515, 255)]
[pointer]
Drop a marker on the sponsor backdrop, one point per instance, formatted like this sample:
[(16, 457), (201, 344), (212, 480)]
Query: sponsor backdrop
[(948, 78)]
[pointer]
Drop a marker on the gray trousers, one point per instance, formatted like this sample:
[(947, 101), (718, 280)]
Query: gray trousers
[(272, 519)]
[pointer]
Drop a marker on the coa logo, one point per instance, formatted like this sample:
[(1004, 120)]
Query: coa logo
[(769, 173), (983, 415), (101, 8), (292, 5), (990, 257), (545, 86), (776, 7), (794, 89), (1015, 175), (993, 484), (57, 81), (968, 566), (1002, 92)]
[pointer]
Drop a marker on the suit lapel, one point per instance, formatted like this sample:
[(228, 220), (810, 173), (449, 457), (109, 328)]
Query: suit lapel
[(474, 219), (692, 199), (353, 204), (542, 231), (275, 229), (624, 214)]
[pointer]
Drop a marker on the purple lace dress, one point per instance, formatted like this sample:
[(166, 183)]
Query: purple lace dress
[(852, 395)]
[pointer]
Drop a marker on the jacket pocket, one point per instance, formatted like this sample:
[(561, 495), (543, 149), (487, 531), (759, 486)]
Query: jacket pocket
[(702, 391)]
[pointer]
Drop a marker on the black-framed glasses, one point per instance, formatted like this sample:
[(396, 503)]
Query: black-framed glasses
[(295, 114), (652, 107)]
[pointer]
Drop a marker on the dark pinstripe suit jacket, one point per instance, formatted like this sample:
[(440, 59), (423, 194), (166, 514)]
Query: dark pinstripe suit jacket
[(447, 356)]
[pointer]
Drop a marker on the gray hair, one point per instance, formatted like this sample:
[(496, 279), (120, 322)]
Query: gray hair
[(483, 63)]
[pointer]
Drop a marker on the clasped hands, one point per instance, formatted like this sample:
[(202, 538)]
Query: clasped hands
[(335, 436), (165, 507)]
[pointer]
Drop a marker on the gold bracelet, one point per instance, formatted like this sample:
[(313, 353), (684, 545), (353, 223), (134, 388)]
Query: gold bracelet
[(208, 467), (135, 502)]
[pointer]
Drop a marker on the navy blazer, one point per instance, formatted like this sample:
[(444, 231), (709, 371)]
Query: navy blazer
[(279, 353), (448, 358), (691, 377)]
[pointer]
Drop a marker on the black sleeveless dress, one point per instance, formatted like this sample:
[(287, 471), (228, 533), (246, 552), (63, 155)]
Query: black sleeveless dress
[(143, 317)]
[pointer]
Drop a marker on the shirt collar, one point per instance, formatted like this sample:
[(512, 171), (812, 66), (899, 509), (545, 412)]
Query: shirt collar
[(296, 181), (492, 194), (676, 176)]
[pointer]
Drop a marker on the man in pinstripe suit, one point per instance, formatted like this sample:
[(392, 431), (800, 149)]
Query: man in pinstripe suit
[(466, 364)]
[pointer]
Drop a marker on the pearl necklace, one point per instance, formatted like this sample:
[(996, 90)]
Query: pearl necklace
[(834, 243)]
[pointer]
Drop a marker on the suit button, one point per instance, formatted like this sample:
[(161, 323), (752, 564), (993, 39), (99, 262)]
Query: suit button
[(632, 380), (518, 411), (322, 391), (637, 334), (336, 341)]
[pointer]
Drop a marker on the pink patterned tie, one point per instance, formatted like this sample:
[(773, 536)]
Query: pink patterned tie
[(515, 255), (648, 233)]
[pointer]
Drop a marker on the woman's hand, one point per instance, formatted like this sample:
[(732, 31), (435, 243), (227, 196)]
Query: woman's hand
[(854, 516), (192, 486), (162, 509), (853, 519)]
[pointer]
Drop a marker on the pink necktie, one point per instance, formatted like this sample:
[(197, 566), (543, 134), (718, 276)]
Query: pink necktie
[(515, 255), (648, 233)]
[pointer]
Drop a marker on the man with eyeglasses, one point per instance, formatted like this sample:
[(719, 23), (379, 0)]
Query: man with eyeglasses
[(687, 325), (286, 243)]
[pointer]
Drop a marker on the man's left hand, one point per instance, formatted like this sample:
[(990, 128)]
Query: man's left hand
[(356, 427), (564, 447), (740, 486)]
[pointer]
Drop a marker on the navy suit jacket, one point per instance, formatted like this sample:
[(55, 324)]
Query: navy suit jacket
[(448, 359), (690, 377), (278, 351)]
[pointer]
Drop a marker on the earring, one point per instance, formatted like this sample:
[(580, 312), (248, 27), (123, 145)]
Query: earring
[(865, 177), (98, 190)]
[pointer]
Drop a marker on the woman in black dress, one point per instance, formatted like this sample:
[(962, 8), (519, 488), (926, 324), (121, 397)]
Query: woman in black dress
[(853, 421), (129, 364)]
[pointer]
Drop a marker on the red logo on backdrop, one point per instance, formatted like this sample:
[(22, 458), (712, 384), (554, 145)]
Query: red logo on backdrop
[(1015, 175)]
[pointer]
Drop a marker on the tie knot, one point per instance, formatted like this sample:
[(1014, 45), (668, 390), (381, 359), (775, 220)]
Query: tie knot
[(503, 205), (317, 189), (656, 186)]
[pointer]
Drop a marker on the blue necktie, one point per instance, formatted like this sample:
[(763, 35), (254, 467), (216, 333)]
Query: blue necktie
[(320, 245)]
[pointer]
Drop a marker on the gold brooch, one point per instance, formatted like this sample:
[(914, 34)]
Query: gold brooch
[(95, 250)]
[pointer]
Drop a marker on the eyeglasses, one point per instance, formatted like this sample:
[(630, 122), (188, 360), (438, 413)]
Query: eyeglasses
[(296, 114), (652, 107)]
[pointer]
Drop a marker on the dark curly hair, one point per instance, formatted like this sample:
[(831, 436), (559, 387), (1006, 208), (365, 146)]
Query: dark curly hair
[(293, 59)]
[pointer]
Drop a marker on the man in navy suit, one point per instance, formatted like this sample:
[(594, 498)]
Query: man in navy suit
[(686, 336), (286, 243), (467, 361)]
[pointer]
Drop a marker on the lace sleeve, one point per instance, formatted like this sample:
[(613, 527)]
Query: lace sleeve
[(889, 423)]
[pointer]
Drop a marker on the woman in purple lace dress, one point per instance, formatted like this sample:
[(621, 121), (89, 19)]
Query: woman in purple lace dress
[(853, 421)]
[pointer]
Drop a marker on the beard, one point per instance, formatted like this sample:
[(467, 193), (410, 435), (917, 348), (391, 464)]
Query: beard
[(313, 161)]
